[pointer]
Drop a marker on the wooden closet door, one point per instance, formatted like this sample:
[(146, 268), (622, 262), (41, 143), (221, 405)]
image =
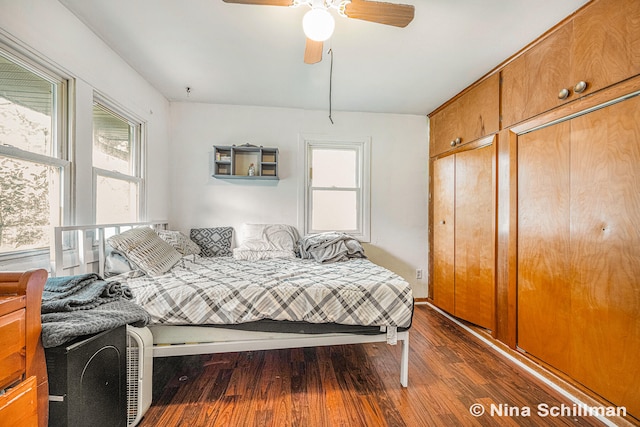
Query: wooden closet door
[(443, 233), (474, 237), (544, 227), (605, 252)]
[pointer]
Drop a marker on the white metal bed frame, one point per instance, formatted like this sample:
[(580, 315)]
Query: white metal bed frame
[(81, 249)]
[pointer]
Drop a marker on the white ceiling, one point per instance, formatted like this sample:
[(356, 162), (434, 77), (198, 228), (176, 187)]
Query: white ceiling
[(253, 55)]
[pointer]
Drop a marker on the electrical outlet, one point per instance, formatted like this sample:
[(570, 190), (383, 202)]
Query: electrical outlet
[(419, 273)]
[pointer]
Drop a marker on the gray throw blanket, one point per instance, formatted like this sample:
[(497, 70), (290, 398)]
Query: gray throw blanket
[(83, 292), (74, 306), (331, 246)]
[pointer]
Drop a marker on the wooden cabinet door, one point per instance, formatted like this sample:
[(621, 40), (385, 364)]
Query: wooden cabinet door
[(605, 252), (471, 116), (474, 237), (531, 83), (443, 125), (480, 110), (443, 200), (544, 285), (606, 43)]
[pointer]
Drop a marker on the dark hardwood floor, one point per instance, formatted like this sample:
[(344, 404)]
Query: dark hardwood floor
[(355, 385)]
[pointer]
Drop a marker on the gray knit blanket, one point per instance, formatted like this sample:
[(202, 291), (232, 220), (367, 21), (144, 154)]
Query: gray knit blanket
[(83, 292), (331, 246), (74, 306)]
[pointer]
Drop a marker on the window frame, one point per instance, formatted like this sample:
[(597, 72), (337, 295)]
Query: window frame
[(138, 151), (62, 104), (362, 147)]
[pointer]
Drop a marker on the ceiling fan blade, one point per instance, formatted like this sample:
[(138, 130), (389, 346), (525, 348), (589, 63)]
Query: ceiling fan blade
[(398, 15), (312, 52), (262, 2)]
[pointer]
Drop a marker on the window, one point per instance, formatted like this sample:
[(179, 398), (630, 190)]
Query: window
[(33, 168), (117, 170), (337, 187)]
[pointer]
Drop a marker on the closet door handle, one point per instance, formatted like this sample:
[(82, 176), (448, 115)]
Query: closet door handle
[(580, 87), (564, 93)]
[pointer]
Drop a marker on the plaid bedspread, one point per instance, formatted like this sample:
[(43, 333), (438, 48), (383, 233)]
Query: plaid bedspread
[(223, 290)]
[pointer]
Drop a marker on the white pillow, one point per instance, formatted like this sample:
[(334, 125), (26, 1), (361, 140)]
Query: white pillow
[(146, 249), (276, 236), (266, 241)]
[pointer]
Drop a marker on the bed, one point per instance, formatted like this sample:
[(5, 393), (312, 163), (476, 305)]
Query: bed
[(202, 305)]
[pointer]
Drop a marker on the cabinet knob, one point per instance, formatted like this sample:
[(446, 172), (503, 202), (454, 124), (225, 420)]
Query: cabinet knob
[(442, 222), (458, 140), (452, 143), (564, 93), (580, 87)]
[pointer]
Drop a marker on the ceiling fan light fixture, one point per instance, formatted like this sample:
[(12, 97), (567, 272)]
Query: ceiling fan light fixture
[(318, 24)]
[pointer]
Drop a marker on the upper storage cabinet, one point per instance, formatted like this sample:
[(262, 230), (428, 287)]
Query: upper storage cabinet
[(245, 161), (532, 82), (598, 47), (606, 43), (471, 116)]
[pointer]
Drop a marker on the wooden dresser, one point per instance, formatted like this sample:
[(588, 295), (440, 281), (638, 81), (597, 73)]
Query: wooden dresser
[(23, 372)]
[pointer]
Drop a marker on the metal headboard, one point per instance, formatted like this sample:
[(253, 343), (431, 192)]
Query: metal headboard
[(76, 249)]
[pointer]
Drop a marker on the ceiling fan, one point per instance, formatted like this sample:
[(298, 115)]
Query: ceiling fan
[(318, 24)]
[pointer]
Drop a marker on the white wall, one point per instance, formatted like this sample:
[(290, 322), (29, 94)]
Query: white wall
[(399, 172), (180, 138), (46, 29)]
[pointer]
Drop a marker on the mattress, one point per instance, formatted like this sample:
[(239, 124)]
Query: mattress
[(226, 291)]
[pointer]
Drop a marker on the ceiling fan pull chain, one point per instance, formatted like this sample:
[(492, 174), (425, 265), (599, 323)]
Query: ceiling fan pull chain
[(330, 52)]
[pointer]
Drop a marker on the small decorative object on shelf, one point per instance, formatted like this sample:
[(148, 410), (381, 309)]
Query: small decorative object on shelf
[(245, 161)]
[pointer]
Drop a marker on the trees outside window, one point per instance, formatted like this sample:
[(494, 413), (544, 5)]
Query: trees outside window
[(33, 166), (117, 165)]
